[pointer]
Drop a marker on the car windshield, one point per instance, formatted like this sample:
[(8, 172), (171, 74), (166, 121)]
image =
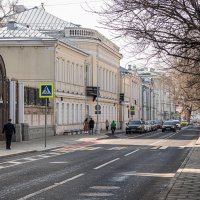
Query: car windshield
[(168, 123), (134, 122)]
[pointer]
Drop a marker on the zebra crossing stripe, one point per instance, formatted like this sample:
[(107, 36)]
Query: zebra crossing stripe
[(164, 147)]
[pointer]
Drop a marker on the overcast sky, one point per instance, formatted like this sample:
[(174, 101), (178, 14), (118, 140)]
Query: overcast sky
[(75, 11)]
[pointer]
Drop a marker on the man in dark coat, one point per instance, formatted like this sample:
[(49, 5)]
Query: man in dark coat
[(9, 130), (91, 125)]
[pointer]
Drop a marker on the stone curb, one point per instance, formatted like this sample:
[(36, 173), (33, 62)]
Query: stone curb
[(47, 149), (16, 154)]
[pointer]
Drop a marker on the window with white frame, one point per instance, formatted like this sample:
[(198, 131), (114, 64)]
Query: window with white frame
[(76, 114), (81, 113), (72, 113), (72, 82), (63, 113), (68, 72), (63, 70), (57, 113), (56, 70), (68, 113)]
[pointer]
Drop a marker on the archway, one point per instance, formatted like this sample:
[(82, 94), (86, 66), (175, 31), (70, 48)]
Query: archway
[(3, 94)]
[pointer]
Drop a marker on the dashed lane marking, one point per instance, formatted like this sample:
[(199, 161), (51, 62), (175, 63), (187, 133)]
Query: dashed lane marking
[(58, 162), (106, 163), (131, 152), (50, 187)]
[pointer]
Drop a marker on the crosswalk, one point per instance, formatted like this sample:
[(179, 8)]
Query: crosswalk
[(70, 149), (165, 147)]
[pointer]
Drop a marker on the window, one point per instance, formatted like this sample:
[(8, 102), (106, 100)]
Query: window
[(76, 114), (72, 113), (63, 113), (67, 113)]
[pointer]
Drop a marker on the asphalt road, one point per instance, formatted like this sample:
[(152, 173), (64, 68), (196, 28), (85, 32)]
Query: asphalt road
[(123, 167)]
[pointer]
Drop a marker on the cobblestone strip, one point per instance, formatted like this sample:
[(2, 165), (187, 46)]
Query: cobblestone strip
[(169, 187)]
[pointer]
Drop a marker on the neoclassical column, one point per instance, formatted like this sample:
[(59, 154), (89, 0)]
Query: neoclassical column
[(12, 101), (21, 102)]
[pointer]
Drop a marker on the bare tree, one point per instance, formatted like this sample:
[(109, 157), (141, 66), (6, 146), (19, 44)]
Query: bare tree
[(187, 91), (6, 10), (171, 27)]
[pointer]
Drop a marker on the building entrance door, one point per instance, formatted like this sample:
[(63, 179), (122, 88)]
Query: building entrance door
[(4, 88)]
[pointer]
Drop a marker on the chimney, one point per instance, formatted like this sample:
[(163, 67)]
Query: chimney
[(19, 8), (11, 25)]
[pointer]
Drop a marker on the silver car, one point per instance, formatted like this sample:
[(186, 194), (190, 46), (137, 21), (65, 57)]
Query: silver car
[(178, 124)]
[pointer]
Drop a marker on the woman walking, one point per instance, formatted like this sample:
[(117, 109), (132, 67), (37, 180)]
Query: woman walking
[(86, 126)]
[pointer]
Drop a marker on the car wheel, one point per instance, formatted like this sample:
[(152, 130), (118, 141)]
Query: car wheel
[(163, 130)]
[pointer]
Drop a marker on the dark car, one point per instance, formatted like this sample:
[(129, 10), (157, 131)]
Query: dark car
[(169, 126), (135, 126), (159, 124)]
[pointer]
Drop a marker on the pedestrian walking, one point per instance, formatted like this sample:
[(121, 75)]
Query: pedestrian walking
[(8, 130), (107, 125), (85, 126), (91, 125), (113, 126)]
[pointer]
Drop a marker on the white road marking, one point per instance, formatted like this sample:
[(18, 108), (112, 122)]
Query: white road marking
[(30, 159), (154, 148), (117, 148), (106, 163), (96, 194), (163, 147), (163, 139), (50, 187), (91, 148), (44, 156), (54, 153), (58, 162), (106, 187), (150, 174), (131, 152), (14, 162)]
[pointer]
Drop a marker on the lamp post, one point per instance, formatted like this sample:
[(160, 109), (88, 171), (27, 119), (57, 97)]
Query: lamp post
[(97, 130)]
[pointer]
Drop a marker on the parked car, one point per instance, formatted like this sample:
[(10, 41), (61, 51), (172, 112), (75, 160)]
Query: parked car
[(135, 126), (178, 124), (159, 124), (147, 126), (169, 126), (153, 125)]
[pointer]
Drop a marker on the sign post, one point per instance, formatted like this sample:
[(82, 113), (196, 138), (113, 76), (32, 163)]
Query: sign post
[(46, 90)]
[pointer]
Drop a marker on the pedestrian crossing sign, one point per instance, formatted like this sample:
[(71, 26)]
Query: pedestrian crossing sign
[(46, 90)]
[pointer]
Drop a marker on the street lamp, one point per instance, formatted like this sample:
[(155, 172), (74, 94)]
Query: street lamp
[(97, 131)]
